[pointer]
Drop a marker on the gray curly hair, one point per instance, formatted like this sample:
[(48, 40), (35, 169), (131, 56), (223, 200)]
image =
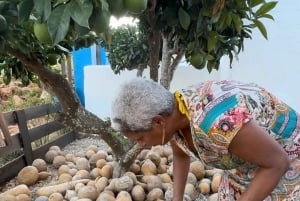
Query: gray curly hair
[(137, 102)]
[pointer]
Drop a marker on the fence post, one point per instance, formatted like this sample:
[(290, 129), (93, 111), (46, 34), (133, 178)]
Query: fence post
[(25, 138), (5, 131)]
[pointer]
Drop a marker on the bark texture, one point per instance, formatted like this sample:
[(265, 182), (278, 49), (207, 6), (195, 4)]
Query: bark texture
[(172, 54)]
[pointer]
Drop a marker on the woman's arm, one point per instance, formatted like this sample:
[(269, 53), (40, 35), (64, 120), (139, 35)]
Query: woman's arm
[(181, 165), (254, 145)]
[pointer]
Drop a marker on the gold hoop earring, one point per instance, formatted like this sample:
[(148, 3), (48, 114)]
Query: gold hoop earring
[(163, 136)]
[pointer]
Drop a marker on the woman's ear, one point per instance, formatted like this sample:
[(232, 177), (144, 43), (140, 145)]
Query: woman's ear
[(158, 120)]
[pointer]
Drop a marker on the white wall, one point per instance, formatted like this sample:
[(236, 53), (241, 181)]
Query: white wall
[(275, 63), (272, 63), (100, 83)]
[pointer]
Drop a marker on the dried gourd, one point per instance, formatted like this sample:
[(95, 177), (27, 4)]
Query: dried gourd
[(28, 175)]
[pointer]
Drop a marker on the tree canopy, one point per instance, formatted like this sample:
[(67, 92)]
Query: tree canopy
[(207, 29), (128, 49)]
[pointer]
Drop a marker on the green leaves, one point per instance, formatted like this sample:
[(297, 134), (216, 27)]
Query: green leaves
[(59, 16), (215, 28), (237, 23), (262, 12), (265, 8), (81, 11), (211, 41), (58, 19), (25, 8), (184, 18), (128, 49), (58, 23), (254, 3), (261, 27), (43, 8)]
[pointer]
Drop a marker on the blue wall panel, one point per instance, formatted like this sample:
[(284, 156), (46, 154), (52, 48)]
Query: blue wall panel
[(81, 58)]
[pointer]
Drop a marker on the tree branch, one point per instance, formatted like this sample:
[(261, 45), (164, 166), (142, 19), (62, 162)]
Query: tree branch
[(73, 114)]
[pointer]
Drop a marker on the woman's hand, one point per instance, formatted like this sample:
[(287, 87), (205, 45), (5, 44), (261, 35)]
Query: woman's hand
[(254, 145)]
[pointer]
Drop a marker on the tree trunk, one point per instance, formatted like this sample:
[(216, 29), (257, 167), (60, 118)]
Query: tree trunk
[(75, 116), (154, 44), (140, 69), (169, 64), (154, 40)]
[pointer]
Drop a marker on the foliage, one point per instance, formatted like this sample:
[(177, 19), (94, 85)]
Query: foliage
[(213, 28), (128, 49), (208, 29), (11, 156)]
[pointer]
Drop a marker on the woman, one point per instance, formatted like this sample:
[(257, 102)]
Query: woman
[(225, 124)]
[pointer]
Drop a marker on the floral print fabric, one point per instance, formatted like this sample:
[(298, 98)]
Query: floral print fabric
[(218, 110)]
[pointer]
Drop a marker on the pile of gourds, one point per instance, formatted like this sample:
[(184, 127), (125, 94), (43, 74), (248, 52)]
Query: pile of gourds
[(87, 176)]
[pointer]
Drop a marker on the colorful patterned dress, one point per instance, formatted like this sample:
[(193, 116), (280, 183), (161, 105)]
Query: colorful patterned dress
[(217, 110)]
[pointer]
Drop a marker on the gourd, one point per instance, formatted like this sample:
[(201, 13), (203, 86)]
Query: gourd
[(28, 175), (82, 164), (93, 148), (40, 164), (148, 167), (215, 183), (165, 178), (20, 189), (123, 196), (63, 169), (197, 168), (106, 196), (153, 181), (95, 172), (89, 192), (124, 183), (65, 177), (138, 193), (190, 190), (107, 171), (56, 197), (58, 161), (155, 194), (204, 186), (43, 175), (23, 197), (50, 155), (59, 188), (101, 183)]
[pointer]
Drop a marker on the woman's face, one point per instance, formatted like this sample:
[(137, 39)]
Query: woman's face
[(143, 138), (157, 135)]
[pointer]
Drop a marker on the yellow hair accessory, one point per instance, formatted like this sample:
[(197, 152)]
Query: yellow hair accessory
[(181, 105)]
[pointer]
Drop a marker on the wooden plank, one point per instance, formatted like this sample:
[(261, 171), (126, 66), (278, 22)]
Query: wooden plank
[(25, 138), (13, 147), (61, 142), (5, 131), (44, 130), (41, 110), (10, 118), (11, 169)]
